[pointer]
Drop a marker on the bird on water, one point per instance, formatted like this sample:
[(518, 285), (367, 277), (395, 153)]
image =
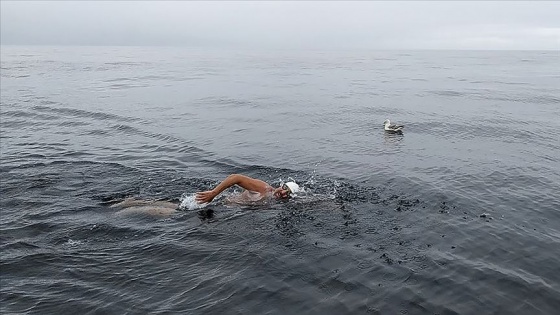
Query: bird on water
[(392, 127)]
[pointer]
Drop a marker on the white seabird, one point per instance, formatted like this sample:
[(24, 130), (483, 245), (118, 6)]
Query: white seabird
[(393, 128)]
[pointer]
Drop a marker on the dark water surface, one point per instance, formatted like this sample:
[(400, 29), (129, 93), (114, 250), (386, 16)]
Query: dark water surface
[(460, 215)]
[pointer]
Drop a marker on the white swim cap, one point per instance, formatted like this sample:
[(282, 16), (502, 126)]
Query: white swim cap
[(293, 187)]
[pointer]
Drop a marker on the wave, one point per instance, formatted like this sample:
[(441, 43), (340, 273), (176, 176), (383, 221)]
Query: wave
[(482, 94)]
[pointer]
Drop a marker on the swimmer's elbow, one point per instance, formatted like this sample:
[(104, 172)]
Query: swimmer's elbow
[(235, 178), (241, 180)]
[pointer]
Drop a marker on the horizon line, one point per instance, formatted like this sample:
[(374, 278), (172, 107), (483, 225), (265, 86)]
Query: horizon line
[(278, 48)]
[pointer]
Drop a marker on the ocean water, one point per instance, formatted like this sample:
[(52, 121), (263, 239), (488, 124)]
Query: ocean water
[(459, 215)]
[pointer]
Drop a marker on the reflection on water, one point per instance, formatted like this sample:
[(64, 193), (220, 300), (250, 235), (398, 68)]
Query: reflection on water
[(392, 139), (205, 214)]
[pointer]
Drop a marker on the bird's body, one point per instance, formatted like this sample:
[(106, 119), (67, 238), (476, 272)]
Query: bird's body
[(392, 127)]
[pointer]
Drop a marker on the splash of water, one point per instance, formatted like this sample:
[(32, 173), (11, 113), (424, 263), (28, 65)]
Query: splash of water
[(188, 202)]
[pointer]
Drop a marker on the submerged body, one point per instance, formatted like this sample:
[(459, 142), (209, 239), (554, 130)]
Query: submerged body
[(132, 206), (147, 207), (248, 197)]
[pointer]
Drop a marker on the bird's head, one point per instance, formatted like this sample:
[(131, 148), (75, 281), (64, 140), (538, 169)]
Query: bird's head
[(387, 122)]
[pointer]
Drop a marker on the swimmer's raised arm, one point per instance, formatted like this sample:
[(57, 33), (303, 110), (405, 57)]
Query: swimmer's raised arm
[(246, 182)]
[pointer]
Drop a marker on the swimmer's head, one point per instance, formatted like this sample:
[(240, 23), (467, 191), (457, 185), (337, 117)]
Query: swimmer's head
[(286, 190)]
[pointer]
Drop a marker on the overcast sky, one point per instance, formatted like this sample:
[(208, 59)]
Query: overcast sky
[(281, 24)]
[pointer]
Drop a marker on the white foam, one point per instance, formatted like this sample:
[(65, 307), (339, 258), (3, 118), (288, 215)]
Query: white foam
[(72, 242), (188, 202)]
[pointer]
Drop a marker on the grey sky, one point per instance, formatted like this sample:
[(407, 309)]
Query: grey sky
[(282, 24)]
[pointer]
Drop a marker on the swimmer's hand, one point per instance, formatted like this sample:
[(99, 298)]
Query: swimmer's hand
[(205, 196)]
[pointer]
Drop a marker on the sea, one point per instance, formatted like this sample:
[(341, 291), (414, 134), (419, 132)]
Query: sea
[(459, 214)]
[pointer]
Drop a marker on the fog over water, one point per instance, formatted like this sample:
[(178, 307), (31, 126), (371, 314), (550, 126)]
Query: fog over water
[(516, 25)]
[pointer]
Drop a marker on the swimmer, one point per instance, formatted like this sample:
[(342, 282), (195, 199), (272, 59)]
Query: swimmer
[(255, 190)]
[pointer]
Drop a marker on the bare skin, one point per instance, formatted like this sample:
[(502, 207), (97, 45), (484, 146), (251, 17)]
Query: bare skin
[(256, 189)]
